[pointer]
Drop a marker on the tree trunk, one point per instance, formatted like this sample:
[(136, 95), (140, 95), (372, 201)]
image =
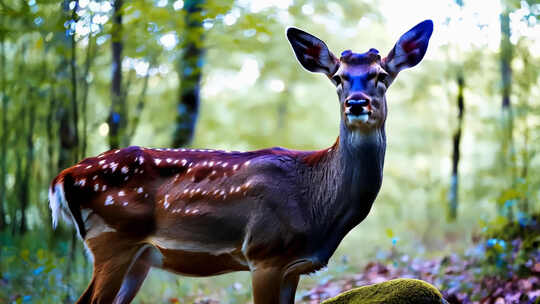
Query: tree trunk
[(117, 117), (140, 105), (454, 181), (50, 127), (87, 63), (506, 57), (25, 188), (3, 148), (67, 110), (507, 149), (190, 72), (73, 74)]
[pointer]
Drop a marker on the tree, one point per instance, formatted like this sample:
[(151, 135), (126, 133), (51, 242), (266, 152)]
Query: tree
[(190, 73), (117, 116), (456, 140)]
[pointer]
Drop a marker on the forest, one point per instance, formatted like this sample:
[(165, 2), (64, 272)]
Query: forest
[(459, 206)]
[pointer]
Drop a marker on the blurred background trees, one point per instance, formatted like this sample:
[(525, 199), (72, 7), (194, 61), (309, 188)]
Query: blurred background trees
[(80, 77)]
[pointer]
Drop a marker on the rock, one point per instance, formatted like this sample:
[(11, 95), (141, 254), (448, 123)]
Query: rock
[(398, 291)]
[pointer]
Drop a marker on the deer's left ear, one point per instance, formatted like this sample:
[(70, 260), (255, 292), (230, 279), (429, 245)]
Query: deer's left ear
[(410, 48), (312, 52)]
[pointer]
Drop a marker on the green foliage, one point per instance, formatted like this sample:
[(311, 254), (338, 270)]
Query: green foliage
[(33, 272), (509, 245)]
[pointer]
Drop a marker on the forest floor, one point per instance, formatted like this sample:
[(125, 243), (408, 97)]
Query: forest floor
[(504, 268), (457, 278)]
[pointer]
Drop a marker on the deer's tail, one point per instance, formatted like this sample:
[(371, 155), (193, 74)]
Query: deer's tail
[(60, 207)]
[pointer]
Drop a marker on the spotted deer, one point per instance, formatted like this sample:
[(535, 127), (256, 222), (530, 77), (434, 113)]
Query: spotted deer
[(277, 213)]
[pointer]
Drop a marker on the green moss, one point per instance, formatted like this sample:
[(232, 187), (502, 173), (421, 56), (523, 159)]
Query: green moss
[(399, 291)]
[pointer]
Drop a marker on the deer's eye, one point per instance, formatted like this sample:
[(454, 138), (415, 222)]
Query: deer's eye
[(383, 78), (336, 79)]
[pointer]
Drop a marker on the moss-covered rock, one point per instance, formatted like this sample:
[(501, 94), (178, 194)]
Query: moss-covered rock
[(399, 291)]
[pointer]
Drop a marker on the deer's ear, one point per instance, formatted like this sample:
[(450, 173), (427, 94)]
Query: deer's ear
[(410, 48), (312, 52)]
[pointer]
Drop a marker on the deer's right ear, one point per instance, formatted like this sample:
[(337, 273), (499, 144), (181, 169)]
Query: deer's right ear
[(312, 52)]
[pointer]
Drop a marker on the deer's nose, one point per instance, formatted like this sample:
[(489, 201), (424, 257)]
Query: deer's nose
[(359, 97), (358, 104)]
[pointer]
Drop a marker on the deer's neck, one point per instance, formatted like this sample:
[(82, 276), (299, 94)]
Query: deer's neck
[(345, 183), (358, 166)]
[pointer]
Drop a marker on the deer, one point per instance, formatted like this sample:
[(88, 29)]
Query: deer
[(277, 213)]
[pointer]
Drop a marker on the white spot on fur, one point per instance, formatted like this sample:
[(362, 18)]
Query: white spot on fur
[(184, 161), (225, 164), (124, 169), (88, 167), (109, 200), (157, 161), (235, 167), (168, 160), (116, 151), (210, 164), (166, 201), (104, 187), (124, 203), (81, 182), (247, 163), (94, 177), (101, 162), (121, 193), (96, 187), (113, 166)]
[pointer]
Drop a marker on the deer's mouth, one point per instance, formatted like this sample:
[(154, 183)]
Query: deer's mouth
[(357, 110)]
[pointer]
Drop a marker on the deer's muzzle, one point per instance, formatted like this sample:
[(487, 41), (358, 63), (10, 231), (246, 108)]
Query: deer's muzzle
[(358, 109)]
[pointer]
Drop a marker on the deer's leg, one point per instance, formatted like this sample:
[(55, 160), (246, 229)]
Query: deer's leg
[(120, 267), (147, 257), (86, 297), (288, 288), (266, 284)]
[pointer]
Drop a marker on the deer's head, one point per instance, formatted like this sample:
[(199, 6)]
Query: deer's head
[(361, 79)]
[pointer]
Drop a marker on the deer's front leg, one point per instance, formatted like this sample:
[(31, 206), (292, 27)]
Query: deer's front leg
[(266, 282), (270, 287), (288, 288)]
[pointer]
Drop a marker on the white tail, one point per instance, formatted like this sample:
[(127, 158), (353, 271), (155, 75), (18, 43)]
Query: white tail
[(58, 204)]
